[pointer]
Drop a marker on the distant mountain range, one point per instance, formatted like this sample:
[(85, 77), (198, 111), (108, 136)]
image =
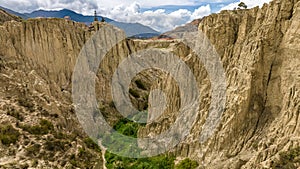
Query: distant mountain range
[(131, 29)]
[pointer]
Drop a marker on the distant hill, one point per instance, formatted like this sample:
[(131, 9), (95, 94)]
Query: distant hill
[(130, 29), (136, 29), (14, 13), (64, 12), (189, 27)]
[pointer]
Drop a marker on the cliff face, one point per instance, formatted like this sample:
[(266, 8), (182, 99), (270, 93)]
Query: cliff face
[(260, 53), (259, 49), (36, 60), (4, 16)]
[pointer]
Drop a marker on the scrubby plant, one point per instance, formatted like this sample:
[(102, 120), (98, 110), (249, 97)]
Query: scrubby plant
[(8, 135)]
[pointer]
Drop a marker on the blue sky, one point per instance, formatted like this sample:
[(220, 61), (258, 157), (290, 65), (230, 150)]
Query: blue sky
[(161, 15)]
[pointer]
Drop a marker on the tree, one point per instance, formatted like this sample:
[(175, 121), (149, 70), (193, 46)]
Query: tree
[(242, 5), (102, 20)]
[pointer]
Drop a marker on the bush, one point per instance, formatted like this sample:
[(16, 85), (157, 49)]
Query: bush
[(8, 135), (187, 164)]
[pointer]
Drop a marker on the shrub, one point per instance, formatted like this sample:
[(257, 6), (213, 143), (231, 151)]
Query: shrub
[(8, 135), (127, 127), (187, 164)]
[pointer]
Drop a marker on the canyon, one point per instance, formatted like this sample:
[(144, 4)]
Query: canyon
[(259, 127)]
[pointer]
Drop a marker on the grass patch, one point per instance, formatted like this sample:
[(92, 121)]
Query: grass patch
[(8, 135)]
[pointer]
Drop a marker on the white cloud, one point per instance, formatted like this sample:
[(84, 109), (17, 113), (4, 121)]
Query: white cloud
[(129, 10), (81, 6), (200, 12), (249, 3), (157, 19)]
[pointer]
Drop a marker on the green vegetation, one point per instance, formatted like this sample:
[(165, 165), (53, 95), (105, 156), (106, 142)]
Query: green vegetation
[(287, 159), (187, 164), (8, 135), (158, 162), (129, 128), (43, 128)]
